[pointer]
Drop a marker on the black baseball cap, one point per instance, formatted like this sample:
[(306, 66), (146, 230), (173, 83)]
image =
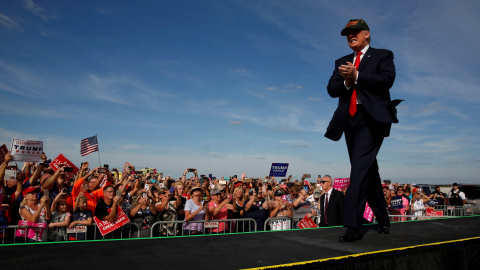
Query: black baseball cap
[(356, 24)]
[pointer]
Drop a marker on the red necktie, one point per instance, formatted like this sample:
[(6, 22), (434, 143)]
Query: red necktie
[(353, 99)]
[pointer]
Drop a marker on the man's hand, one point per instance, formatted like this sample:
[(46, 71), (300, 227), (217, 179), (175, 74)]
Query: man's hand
[(349, 72), (116, 199), (8, 158), (84, 166)]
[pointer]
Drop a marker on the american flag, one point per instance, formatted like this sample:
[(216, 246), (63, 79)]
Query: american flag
[(88, 145)]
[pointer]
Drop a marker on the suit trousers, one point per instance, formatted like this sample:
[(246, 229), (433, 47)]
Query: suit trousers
[(364, 139)]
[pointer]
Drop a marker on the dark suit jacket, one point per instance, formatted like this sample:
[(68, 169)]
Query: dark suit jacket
[(376, 77), (334, 210)]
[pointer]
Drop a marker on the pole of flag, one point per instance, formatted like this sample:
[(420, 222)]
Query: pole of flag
[(99, 163)]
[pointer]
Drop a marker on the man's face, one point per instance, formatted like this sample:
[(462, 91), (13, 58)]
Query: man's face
[(109, 193), (357, 39), (91, 182), (326, 183)]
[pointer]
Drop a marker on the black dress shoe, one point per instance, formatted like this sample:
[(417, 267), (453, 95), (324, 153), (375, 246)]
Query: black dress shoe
[(351, 235), (383, 229)]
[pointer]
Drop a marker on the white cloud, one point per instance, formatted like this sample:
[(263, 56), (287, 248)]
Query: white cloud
[(121, 89), (35, 8), (9, 23), (314, 98)]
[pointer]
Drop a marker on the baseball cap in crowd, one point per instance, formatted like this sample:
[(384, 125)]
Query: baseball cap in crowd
[(239, 183), (317, 193), (279, 192), (455, 184), (417, 190), (220, 187), (384, 186), (194, 189), (215, 191), (355, 24), (30, 189)]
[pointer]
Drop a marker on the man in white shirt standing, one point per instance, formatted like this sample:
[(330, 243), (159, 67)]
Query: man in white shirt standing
[(331, 204)]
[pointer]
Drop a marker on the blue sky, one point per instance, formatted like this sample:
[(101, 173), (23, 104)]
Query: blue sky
[(232, 86)]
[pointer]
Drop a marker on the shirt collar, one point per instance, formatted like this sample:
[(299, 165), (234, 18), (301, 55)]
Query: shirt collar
[(364, 50)]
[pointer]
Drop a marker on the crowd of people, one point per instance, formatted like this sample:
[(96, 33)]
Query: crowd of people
[(38, 194)]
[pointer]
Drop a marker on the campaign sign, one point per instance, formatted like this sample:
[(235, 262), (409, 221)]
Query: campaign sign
[(396, 202), (106, 227), (433, 213), (306, 222), (278, 169), (77, 229), (368, 213), (26, 150), (211, 225), (34, 231), (62, 159), (3, 152), (341, 183)]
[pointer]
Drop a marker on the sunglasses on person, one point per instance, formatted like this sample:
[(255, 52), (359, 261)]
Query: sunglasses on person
[(323, 182)]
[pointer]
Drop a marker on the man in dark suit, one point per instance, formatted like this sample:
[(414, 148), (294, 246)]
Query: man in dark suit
[(333, 214), (365, 114)]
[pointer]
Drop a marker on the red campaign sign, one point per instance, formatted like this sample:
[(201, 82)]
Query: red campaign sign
[(3, 152), (341, 183), (368, 213), (108, 227), (62, 159), (306, 222), (433, 213)]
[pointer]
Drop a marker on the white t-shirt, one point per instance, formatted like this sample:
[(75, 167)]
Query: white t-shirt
[(192, 207)]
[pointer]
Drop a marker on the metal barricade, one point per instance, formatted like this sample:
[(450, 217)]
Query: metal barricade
[(275, 223), (394, 218), (91, 233), (457, 211), (209, 227)]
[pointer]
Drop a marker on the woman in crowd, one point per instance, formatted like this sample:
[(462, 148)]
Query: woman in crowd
[(143, 214), (218, 208), (238, 202), (255, 208), (301, 206), (195, 209), (33, 211), (60, 218), (418, 203), (238, 207), (403, 207), (280, 208)]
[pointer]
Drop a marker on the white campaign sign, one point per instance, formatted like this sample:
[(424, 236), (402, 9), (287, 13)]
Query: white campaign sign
[(26, 150)]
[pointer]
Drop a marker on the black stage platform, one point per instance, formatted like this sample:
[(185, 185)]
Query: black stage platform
[(452, 243)]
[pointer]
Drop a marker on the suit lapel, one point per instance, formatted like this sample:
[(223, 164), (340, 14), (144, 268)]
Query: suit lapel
[(366, 58)]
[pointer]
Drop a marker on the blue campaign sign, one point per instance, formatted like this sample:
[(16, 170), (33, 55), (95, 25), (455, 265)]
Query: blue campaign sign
[(396, 203), (279, 169)]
